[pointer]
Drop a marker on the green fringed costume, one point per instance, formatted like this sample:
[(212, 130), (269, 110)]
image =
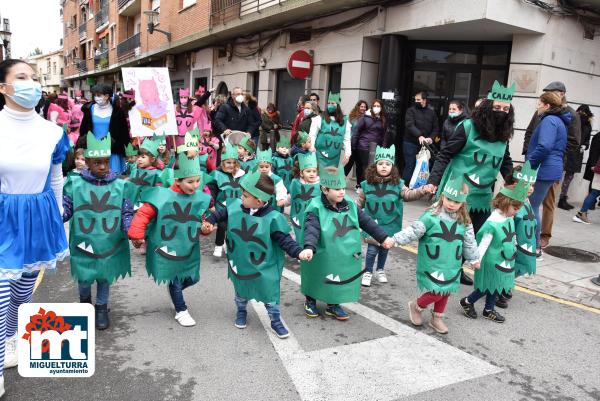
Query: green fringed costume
[(229, 188), (497, 271)]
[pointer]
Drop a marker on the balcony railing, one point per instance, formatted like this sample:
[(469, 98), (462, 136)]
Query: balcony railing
[(224, 11), (127, 47), (83, 30), (102, 16), (81, 66), (101, 60), (122, 3)]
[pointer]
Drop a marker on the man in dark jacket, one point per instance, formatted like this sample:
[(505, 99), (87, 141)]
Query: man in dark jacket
[(421, 126), (235, 115), (573, 140)]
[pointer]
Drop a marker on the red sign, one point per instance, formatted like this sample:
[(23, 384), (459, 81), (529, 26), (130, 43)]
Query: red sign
[(300, 64)]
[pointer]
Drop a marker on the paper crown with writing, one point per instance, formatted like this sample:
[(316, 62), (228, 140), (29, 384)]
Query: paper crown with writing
[(388, 154), (307, 160), (502, 93), (517, 192), (187, 166), (456, 189), (189, 143), (332, 177), (97, 147), (527, 174)]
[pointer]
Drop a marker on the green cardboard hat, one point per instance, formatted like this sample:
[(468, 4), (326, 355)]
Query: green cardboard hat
[(307, 160), (130, 150), (388, 154), (455, 189), (230, 152), (302, 137), (162, 140), (334, 97), (284, 142), (502, 93), (518, 192), (195, 133), (265, 156), (189, 143), (244, 144), (248, 183), (187, 167), (151, 144), (97, 148), (332, 177), (527, 173)]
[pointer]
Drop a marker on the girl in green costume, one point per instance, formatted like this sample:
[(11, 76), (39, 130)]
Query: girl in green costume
[(445, 236), (170, 221), (146, 174), (247, 154), (330, 134), (283, 163), (332, 227), (257, 236), (264, 164), (131, 154), (303, 189), (497, 253)]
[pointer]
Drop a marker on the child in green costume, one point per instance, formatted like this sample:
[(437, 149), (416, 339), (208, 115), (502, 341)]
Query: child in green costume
[(131, 154), (283, 163), (264, 159), (332, 231), (257, 236), (304, 188), (146, 174), (247, 154), (170, 221), (331, 134), (497, 253), (302, 146), (381, 197), (445, 236), (224, 188), (101, 214)]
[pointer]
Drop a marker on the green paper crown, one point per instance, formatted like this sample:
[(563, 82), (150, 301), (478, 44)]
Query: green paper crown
[(265, 156), (388, 154), (302, 137), (527, 174), (334, 97), (195, 133), (518, 192), (162, 140), (188, 167), (244, 144), (97, 148), (502, 93), (455, 189), (332, 177), (248, 183), (130, 150), (307, 160), (190, 143), (284, 142), (151, 145), (230, 152)]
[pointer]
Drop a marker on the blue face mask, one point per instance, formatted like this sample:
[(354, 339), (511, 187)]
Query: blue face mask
[(307, 112), (452, 115), (27, 93)]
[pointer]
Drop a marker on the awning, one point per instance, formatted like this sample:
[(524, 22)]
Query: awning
[(103, 34)]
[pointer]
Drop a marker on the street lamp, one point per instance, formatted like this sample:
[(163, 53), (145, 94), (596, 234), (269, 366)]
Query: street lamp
[(152, 22), (5, 37)]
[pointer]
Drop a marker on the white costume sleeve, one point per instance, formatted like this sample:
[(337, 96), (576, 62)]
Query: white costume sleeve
[(56, 183), (484, 244), (280, 191), (347, 135), (315, 127)]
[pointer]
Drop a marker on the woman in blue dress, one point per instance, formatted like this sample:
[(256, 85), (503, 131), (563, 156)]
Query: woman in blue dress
[(32, 235)]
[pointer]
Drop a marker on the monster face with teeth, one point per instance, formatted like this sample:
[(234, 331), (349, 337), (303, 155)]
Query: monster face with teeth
[(384, 204), (301, 195), (525, 225), (330, 142)]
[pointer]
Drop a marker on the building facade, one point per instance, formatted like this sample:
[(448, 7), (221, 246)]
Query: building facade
[(50, 70)]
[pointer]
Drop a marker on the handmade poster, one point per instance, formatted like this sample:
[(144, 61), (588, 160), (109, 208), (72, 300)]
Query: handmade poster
[(154, 110)]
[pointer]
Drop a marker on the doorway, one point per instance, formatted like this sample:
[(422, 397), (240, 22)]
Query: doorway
[(288, 91)]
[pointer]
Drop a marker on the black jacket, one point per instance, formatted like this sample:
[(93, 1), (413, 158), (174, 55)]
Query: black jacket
[(449, 126), (592, 157), (305, 123), (454, 144), (230, 117), (118, 128), (312, 225), (420, 122), (285, 241)]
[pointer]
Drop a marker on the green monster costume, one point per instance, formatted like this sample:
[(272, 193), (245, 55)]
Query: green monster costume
[(255, 262), (143, 178), (167, 176), (229, 186), (525, 225), (440, 254), (479, 160), (99, 248), (301, 195), (130, 151), (333, 274), (383, 201), (330, 138), (497, 271), (282, 166), (250, 164), (174, 235), (266, 156)]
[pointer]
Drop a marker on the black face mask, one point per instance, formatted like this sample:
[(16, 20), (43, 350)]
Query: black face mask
[(418, 105), (500, 117)]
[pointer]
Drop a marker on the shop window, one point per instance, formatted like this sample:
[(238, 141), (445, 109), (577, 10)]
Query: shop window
[(487, 80), (335, 78), (495, 55)]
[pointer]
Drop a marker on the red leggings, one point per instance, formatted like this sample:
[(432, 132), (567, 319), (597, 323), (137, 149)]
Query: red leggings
[(439, 301)]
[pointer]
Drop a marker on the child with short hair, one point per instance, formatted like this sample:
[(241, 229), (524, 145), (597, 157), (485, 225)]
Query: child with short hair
[(332, 231), (304, 188), (283, 163), (171, 220), (146, 174), (445, 236), (209, 145), (246, 154), (302, 146), (264, 160), (257, 237), (101, 215), (131, 154), (79, 162)]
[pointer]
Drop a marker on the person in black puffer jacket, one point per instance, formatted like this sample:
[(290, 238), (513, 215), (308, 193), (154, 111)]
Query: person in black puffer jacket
[(422, 125)]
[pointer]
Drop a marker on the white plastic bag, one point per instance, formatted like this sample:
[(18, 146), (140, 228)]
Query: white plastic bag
[(421, 173)]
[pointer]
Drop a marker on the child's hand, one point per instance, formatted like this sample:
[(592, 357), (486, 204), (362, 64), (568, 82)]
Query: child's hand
[(137, 243), (212, 209), (281, 203), (388, 243), (306, 254), (207, 228), (476, 264)]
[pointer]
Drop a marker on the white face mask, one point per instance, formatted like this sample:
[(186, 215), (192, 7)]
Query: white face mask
[(376, 110), (239, 99), (100, 101)]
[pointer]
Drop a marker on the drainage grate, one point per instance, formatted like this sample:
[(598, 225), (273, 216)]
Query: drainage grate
[(572, 254)]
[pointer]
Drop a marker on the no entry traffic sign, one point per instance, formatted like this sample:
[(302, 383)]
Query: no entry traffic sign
[(300, 64)]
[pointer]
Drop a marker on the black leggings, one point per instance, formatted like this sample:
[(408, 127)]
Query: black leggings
[(361, 158), (220, 237)]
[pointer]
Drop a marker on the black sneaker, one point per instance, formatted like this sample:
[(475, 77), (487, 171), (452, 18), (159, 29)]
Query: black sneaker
[(502, 302), (468, 309), (493, 316), (102, 321), (507, 295)]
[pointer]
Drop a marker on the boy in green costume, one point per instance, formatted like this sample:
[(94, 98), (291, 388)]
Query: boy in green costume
[(170, 221), (497, 253), (101, 214), (247, 154), (257, 236), (283, 163), (304, 188), (146, 174), (332, 231), (264, 164), (332, 134), (131, 154)]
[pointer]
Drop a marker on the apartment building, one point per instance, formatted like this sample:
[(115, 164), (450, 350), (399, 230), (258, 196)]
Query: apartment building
[(50, 70)]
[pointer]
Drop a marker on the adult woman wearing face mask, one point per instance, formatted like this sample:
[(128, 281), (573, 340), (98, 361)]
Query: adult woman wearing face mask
[(456, 114), (100, 117), (269, 127), (32, 235), (330, 134), (355, 114), (370, 129)]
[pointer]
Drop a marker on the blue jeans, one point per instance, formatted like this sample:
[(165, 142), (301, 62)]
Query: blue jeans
[(540, 189), (375, 251), (102, 292), (409, 151), (490, 299), (176, 288), (272, 309), (590, 200)]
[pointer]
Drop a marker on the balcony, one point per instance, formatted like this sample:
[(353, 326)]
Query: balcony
[(81, 66), (102, 17), (224, 11), (101, 61), (129, 8), (128, 47), (83, 30)]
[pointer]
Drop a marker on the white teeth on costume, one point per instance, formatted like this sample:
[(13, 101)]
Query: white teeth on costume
[(87, 248), (527, 248), (438, 276), (325, 154), (296, 221), (166, 250), (137, 206), (172, 253), (331, 278), (336, 278), (474, 178), (81, 246), (505, 265), (233, 267)]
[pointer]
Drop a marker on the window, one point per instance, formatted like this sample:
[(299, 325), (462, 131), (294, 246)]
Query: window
[(83, 14), (54, 68), (48, 66), (187, 3), (112, 35), (61, 71), (155, 6), (335, 78), (255, 81)]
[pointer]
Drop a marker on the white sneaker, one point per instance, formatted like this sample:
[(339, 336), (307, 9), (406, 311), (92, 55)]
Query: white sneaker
[(184, 319), (381, 276), (11, 357), (1, 386), (218, 252), (366, 279)]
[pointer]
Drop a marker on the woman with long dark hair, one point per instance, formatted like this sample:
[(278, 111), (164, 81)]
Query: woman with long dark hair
[(32, 236), (357, 112), (330, 134), (371, 130)]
